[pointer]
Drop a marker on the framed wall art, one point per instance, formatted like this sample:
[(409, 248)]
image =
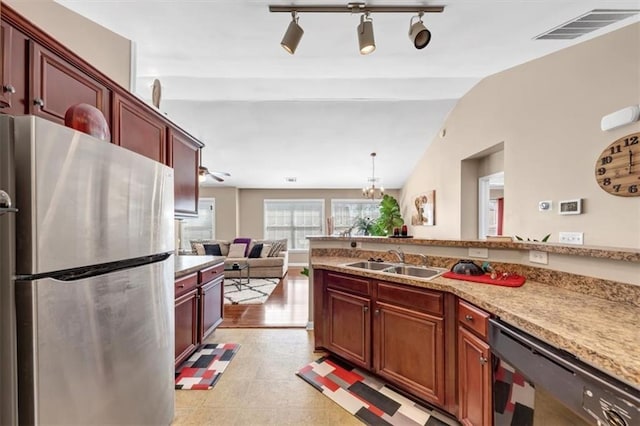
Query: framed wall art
[(423, 213)]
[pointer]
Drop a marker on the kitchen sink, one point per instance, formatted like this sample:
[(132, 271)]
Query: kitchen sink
[(419, 272), (375, 266), (412, 271)]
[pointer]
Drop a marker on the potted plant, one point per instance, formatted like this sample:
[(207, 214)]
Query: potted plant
[(364, 225), (390, 217)]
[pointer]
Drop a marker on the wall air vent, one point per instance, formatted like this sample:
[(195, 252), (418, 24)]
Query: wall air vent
[(590, 21)]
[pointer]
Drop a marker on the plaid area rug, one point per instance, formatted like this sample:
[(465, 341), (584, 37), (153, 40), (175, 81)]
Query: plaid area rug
[(203, 369), (365, 396), (256, 291)]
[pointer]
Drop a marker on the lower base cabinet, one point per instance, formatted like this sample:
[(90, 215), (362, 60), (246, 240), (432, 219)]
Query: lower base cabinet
[(474, 379), (211, 307), (186, 325), (409, 350), (199, 306), (349, 325)]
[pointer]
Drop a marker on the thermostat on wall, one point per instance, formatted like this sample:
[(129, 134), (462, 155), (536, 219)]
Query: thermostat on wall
[(570, 206)]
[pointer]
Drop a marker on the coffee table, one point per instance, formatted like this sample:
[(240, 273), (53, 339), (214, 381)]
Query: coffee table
[(239, 267)]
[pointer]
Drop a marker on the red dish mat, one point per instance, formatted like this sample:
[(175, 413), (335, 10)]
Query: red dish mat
[(511, 281)]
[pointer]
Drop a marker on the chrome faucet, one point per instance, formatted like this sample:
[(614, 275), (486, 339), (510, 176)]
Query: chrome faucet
[(425, 259), (398, 253)]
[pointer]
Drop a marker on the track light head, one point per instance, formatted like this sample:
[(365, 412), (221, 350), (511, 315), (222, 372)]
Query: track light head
[(365, 35), (293, 35), (419, 35)]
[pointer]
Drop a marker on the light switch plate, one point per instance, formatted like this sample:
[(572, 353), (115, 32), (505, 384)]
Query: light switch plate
[(536, 256), (482, 253)]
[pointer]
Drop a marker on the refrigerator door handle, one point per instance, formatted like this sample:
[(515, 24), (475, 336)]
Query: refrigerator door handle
[(5, 203)]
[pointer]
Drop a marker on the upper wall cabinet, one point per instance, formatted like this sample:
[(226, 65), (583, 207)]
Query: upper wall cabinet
[(56, 85), (13, 81), (138, 130), (184, 156)]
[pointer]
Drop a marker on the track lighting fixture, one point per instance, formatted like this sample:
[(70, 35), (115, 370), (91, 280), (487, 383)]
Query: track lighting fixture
[(293, 34), (365, 35), (419, 35)]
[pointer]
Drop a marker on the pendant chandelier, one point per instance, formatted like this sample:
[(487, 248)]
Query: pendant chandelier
[(372, 191)]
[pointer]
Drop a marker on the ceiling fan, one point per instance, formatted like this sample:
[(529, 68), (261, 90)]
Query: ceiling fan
[(203, 172)]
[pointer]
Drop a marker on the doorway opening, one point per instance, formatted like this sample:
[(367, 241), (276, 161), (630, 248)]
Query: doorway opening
[(490, 205)]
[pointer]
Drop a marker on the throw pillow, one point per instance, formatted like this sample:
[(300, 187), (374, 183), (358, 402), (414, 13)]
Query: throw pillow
[(266, 248), (199, 248), (276, 248), (212, 249), (237, 250), (246, 241), (255, 251)]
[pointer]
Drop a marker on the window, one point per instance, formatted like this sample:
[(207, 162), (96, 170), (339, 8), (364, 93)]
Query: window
[(345, 212), (202, 227), (293, 220)]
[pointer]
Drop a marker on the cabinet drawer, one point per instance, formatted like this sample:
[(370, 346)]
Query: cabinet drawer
[(473, 318), (346, 283), (211, 273), (419, 299), (186, 283)]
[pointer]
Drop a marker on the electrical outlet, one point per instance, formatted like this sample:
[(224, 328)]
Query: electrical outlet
[(571, 238), (536, 256), (479, 252)]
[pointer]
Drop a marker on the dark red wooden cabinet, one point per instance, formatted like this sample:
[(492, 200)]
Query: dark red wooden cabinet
[(56, 85), (138, 130), (474, 367), (184, 159), (186, 325), (13, 67), (199, 307)]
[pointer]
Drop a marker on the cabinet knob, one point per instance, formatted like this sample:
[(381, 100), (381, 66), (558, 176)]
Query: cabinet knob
[(365, 308), (7, 88), (468, 317), (38, 102), (483, 360), (377, 311)]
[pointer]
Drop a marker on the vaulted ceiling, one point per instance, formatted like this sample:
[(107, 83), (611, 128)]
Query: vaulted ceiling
[(265, 115)]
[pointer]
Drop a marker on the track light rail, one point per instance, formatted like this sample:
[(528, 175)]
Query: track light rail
[(354, 8)]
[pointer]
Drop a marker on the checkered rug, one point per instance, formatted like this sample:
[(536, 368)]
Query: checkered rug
[(367, 397), (203, 369), (256, 291)]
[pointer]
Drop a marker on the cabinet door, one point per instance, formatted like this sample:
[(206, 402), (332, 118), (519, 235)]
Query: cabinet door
[(409, 350), (138, 130), (56, 85), (15, 47), (186, 323), (474, 379), (349, 327), (5, 70), (211, 307), (184, 159)]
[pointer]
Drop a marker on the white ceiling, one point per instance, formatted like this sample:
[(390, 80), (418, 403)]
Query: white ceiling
[(317, 115)]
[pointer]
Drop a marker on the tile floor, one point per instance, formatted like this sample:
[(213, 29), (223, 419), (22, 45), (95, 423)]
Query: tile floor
[(260, 386)]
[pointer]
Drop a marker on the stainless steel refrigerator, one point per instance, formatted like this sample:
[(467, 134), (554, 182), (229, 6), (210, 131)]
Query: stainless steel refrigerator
[(86, 280)]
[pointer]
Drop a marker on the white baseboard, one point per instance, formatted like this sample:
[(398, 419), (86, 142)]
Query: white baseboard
[(297, 265), (310, 325)]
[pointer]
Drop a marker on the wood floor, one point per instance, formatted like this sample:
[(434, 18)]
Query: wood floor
[(287, 307)]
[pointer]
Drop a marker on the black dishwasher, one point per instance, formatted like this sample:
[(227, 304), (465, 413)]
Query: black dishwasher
[(588, 392)]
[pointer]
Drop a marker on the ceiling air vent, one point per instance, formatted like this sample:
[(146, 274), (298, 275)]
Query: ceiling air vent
[(590, 21)]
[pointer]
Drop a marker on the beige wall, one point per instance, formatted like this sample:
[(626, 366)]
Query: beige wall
[(226, 210), (547, 113), (107, 51)]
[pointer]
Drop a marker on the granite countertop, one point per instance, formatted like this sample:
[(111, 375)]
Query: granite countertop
[(188, 264), (600, 332), (612, 253)]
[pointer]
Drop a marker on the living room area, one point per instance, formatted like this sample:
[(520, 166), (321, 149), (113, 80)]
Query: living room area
[(264, 281)]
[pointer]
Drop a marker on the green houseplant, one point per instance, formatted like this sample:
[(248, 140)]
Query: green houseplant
[(390, 217)]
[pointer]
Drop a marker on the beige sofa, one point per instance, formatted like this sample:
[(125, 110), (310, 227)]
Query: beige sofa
[(259, 267)]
